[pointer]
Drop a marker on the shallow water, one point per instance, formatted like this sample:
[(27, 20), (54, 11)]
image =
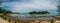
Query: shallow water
[(27, 15), (32, 16)]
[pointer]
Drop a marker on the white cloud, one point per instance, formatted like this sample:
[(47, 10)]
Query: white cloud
[(32, 4)]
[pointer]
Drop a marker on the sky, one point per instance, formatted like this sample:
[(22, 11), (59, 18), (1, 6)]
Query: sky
[(25, 6)]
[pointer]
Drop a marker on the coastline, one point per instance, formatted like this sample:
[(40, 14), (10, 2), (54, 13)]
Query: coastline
[(11, 19)]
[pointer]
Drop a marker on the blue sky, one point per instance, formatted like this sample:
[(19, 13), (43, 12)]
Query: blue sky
[(25, 6)]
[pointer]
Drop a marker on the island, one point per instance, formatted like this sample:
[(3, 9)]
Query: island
[(39, 12)]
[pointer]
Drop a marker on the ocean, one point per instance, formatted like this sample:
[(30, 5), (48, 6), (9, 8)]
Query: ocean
[(33, 16)]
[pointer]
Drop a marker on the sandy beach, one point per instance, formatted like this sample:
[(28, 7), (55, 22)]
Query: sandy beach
[(3, 21)]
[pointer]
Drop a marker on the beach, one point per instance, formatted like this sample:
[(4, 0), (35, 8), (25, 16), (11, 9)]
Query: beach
[(3, 21)]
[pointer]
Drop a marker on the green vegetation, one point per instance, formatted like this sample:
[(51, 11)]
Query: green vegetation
[(16, 21), (58, 7), (3, 11), (27, 22), (58, 18), (15, 13), (42, 12), (9, 20), (3, 16), (52, 21)]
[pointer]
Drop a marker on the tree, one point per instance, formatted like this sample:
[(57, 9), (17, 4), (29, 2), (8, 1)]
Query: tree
[(45, 12), (8, 11), (34, 12), (40, 12), (4, 11), (58, 9)]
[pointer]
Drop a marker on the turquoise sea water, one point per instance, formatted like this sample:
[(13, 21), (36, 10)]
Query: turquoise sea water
[(25, 16)]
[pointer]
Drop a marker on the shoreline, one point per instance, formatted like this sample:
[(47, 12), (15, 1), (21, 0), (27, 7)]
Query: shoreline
[(11, 19)]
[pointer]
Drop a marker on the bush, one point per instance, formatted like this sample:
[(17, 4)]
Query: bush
[(52, 21), (27, 22), (16, 22), (9, 20)]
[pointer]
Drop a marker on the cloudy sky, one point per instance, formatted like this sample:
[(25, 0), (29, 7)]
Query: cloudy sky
[(25, 6)]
